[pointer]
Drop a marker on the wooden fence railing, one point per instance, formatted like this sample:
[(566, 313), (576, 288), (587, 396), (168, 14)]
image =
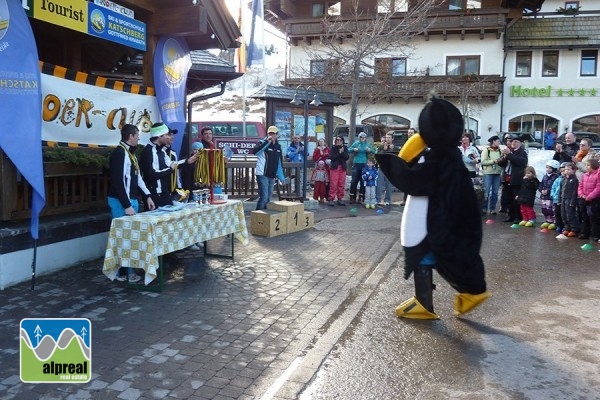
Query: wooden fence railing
[(72, 188)]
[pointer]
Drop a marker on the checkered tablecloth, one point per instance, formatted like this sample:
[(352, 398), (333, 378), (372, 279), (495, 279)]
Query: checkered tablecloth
[(137, 241)]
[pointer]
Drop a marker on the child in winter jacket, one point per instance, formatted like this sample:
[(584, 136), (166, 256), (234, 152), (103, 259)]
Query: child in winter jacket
[(369, 176), (568, 195), (526, 196), (320, 180), (589, 200), (552, 167), (556, 199)]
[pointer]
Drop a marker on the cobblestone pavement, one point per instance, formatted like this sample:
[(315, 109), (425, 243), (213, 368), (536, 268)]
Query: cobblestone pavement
[(227, 331)]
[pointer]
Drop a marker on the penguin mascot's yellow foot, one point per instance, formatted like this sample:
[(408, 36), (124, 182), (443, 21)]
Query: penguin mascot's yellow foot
[(413, 309), (465, 302)]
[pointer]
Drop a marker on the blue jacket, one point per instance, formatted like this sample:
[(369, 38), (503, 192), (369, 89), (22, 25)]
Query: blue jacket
[(295, 153), (555, 191), (360, 157), (546, 184), (369, 176)]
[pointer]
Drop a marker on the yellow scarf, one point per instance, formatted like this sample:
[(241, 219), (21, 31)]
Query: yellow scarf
[(132, 158)]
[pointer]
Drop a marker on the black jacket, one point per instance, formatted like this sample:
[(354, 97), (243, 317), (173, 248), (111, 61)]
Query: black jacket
[(125, 180), (155, 170), (569, 150), (517, 161), (568, 190), (338, 158), (527, 191)]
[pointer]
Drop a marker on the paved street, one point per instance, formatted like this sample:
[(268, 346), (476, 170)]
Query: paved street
[(311, 315), (227, 336), (537, 337)]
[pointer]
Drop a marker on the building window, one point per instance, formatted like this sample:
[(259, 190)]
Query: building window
[(462, 65), (399, 67), (589, 123), (523, 63), (333, 9), (550, 63), (318, 9), (571, 5), (464, 4), (392, 6), (535, 124), (589, 60), (317, 67)]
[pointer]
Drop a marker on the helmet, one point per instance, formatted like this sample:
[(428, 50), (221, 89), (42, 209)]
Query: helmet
[(553, 164), (563, 165), (197, 146)]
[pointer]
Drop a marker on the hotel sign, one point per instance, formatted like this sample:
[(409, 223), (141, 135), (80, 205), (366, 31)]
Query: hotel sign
[(91, 19), (549, 91)]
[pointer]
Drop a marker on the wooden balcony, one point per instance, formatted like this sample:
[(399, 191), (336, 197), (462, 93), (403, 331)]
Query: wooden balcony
[(405, 88), (478, 21)]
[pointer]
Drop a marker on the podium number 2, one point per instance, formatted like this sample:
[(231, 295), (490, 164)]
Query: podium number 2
[(277, 224)]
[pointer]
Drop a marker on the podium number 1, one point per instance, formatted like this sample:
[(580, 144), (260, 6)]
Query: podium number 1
[(296, 218)]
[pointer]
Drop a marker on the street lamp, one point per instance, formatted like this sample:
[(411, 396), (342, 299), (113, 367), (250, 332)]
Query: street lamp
[(315, 102)]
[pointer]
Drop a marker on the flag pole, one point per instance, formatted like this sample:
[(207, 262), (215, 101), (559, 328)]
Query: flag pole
[(242, 68), (33, 264), (264, 55)]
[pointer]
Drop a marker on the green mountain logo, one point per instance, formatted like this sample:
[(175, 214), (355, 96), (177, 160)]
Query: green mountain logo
[(55, 350)]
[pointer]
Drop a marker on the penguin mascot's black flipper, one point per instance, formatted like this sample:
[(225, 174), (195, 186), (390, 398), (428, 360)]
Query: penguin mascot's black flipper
[(441, 223)]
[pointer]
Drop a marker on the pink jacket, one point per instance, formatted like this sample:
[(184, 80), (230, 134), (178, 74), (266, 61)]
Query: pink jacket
[(589, 185)]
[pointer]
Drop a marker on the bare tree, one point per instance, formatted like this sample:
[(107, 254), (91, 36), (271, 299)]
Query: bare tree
[(470, 99), (352, 40)]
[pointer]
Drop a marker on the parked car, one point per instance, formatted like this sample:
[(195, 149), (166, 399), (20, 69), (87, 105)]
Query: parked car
[(399, 137), (231, 134), (374, 133), (595, 137), (525, 137)]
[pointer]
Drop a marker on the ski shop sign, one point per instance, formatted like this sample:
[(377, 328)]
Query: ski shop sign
[(91, 19)]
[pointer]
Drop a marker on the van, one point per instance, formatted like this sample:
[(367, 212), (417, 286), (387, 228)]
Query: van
[(231, 134), (594, 137), (374, 133), (525, 137)]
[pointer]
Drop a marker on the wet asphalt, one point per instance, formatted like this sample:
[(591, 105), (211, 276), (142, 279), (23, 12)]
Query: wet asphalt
[(310, 315)]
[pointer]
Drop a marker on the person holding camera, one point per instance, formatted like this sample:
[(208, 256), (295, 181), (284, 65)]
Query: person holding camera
[(470, 155)]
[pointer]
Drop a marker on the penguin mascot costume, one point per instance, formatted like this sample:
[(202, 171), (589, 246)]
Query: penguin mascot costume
[(441, 223)]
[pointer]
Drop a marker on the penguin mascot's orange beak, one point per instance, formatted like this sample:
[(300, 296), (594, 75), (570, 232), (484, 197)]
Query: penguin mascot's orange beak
[(441, 223)]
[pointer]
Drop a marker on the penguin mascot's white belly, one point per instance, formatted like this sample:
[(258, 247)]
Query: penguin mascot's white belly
[(413, 227)]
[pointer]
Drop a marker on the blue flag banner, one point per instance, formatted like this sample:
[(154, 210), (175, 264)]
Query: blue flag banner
[(21, 102), (172, 63), (256, 47)]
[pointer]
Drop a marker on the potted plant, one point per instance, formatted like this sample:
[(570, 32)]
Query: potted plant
[(60, 161), (573, 10)]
